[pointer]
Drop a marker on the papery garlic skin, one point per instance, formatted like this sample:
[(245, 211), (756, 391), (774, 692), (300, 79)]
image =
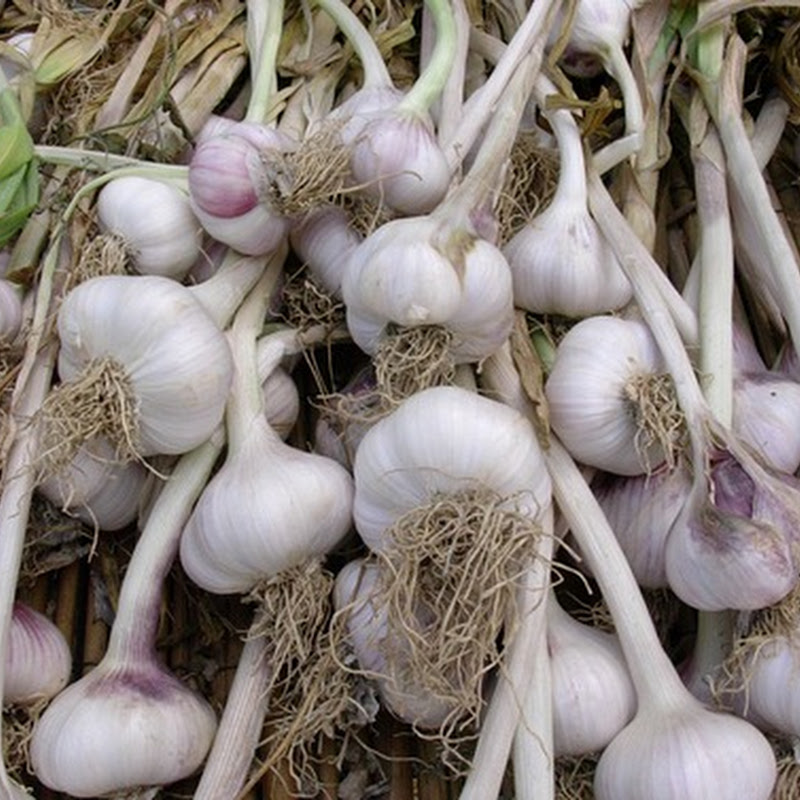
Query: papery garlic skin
[(413, 272), (445, 440), (686, 753), (155, 221), (121, 728), (641, 510), (380, 651), (281, 401), (593, 695), (269, 507), (96, 488), (590, 410), (177, 360), (38, 658), (11, 312)]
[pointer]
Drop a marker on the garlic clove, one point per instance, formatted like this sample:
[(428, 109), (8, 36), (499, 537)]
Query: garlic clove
[(593, 695), (121, 728), (281, 401), (38, 658), (155, 222), (379, 651), (686, 753)]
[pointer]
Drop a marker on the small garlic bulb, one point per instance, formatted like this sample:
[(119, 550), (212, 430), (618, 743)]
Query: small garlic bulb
[(173, 356), (269, 507), (686, 752), (641, 510), (609, 397), (281, 401), (444, 440), (10, 310), (124, 726), (417, 271), (155, 222), (38, 658), (593, 695), (96, 488), (228, 186), (379, 651)]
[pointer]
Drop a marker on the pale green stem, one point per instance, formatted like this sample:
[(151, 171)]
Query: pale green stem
[(264, 31), (98, 161), (433, 78)]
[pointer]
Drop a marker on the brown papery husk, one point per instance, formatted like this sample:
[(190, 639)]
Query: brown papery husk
[(311, 694), (100, 403), (105, 254), (451, 574), (658, 416), (18, 722), (409, 360), (317, 172)]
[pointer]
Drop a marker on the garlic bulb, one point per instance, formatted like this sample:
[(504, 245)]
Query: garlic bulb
[(122, 727), (609, 396), (38, 658), (444, 440), (418, 271), (228, 186), (164, 349), (731, 546), (686, 752), (593, 695), (323, 240), (97, 488), (154, 220), (560, 261), (10, 310), (641, 510), (379, 650), (281, 401)]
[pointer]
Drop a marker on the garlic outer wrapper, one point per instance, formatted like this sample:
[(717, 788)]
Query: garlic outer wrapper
[(380, 650), (11, 312), (177, 360), (418, 271), (444, 440), (641, 510), (686, 752), (588, 393), (155, 221), (123, 726), (96, 488), (269, 507), (38, 658)]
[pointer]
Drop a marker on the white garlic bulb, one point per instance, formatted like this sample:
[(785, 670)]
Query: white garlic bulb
[(121, 727), (379, 650), (10, 310), (269, 507), (154, 219), (38, 658), (281, 401), (175, 358), (444, 440), (607, 371), (593, 695), (686, 752), (97, 488), (418, 271)]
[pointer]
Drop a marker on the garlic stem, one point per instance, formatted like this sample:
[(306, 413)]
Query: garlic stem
[(376, 74), (264, 29), (452, 96), (246, 401), (240, 727), (428, 86), (100, 161), (617, 64), (503, 715), (529, 40)]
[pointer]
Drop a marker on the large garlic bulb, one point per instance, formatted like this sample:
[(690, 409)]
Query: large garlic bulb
[(38, 658), (155, 223), (609, 396), (420, 272), (269, 507), (126, 725), (445, 440), (593, 695), (174, 359)]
